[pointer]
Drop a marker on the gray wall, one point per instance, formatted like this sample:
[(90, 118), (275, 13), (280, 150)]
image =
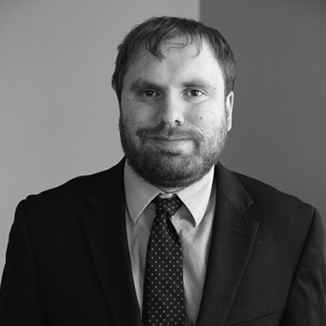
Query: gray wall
[(279, 131), (58, 114)]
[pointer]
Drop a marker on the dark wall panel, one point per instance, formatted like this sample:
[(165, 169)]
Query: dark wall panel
[(279, 130)]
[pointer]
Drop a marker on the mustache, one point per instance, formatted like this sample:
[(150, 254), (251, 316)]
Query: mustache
[(166, 131)]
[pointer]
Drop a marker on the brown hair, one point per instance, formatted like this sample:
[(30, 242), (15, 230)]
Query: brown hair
[(151, 33)]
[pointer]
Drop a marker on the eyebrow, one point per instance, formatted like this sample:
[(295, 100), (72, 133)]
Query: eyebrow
[(199, 83), (141, 84)]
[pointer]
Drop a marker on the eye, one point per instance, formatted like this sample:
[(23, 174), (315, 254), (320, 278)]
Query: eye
[(194, 93), (149, 93)]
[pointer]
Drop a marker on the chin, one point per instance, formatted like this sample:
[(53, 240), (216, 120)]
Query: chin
[(171, 169)]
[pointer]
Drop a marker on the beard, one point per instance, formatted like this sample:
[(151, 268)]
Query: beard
[(171, 168)]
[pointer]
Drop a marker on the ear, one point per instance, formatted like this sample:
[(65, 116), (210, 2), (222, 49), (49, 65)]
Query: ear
[(229, 100)]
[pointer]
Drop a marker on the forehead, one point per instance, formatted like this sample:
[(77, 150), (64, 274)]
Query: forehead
[(177, 58), (173, 43)]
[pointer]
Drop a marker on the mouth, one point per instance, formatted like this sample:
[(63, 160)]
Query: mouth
[(173, 138), (176, 143), (170, 140)]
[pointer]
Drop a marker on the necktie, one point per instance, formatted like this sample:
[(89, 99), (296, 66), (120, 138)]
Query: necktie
[(163, 297)]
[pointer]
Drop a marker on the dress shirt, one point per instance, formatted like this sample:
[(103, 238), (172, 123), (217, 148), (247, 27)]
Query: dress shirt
[(193, 222)]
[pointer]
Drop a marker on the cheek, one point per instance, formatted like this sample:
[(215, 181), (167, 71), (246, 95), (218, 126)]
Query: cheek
[(203, 118), (138, 113), (125, 102), (207, 121), (133, 116)]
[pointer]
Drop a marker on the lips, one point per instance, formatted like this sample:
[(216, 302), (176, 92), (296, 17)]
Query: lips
[(175, 144), (163, 138)]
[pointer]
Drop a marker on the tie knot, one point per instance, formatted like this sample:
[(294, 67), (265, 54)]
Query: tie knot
[(167, 204)]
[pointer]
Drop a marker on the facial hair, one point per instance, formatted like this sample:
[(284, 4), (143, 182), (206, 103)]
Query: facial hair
[(171, 168)]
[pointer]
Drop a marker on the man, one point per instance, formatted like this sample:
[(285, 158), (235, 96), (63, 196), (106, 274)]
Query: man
[(106, 249)]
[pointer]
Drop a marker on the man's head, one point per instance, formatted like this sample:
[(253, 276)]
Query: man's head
[(175, 100), (154, 31)]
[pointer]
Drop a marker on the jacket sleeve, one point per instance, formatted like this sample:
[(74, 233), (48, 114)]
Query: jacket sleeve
[(306, 303), (20, 298)]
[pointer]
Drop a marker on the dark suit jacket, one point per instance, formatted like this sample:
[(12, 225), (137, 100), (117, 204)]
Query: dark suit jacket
[(68, 262)]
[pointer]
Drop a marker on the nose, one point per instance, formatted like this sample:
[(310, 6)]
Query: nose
[(170, 112)]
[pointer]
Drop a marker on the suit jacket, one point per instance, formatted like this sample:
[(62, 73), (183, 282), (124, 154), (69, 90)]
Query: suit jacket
[(68, 260)]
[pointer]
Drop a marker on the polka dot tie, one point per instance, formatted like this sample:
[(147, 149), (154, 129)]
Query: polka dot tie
[(163, 298)]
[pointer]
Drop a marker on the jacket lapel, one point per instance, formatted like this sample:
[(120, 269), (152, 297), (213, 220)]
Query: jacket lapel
[(233, 236), (107, 238)]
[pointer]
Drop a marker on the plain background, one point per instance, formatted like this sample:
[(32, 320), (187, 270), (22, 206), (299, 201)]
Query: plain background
[(58, 114), (279, 125)]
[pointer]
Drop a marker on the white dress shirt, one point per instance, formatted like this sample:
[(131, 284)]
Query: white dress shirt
[(193, 222)]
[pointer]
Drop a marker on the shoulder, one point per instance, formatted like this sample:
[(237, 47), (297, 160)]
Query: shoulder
[(265, 195), (74, 192), (282, 216), (285, 221), (269, 206)]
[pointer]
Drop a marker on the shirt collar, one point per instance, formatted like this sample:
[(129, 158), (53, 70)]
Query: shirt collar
[(140, 193)]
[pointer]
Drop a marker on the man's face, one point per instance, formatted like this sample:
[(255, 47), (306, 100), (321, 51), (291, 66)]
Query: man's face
[(174, 116)]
